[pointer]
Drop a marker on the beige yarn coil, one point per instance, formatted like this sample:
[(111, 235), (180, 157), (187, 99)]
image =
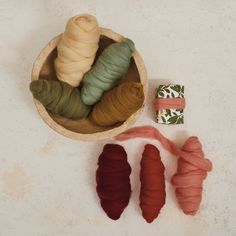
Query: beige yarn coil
[(77, 49)]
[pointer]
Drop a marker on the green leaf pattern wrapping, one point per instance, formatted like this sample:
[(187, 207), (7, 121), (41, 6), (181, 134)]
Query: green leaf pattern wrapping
[(170, 116)]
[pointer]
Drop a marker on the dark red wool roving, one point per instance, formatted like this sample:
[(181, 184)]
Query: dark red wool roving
[(152, 194), (113, 183)]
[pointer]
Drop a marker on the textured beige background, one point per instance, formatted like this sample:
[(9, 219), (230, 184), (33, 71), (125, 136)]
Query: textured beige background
[(47, 184)]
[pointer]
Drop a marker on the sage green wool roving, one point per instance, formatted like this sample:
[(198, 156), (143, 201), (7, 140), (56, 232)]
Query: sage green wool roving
[(59, 98), (109, 68)]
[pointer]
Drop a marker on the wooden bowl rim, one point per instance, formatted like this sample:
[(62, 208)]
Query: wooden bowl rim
[(98, 135)]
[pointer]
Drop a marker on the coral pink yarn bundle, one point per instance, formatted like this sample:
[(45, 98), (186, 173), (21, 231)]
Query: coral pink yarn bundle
[(113, 183), (192, 166), (152, 194), (169, 103)]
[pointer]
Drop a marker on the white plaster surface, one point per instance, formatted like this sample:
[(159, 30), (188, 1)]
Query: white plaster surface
[(47, 184)]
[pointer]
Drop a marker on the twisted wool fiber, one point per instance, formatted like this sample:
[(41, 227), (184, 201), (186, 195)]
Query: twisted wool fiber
[(109, 68), (77, 49), (152, 194), (118, 104), (59, 98), (113, 183), (82, 126), (169, 103), (192, 166)]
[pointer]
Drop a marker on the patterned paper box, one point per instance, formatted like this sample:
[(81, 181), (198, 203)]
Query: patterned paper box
[(170, 116)]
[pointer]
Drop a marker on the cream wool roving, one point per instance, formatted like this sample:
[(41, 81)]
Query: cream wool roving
[(111, 65), (77, 49)]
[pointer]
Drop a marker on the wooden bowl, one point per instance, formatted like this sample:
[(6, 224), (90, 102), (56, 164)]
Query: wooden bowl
[(83, 129)]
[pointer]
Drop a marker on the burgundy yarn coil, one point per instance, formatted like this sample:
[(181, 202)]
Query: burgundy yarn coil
[(152, 194), (113, 182)]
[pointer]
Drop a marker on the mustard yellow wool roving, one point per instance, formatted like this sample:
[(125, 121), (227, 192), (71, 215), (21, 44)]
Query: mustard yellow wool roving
[(109, 68), (59, 98), (77, 49), (118, 104)]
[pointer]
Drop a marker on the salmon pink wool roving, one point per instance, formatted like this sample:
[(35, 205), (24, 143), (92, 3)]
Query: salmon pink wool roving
[(113, 182), (192, 166), (152, 194)]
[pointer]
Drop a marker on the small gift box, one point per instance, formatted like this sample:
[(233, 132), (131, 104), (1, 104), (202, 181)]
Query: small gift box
[(169, 104)]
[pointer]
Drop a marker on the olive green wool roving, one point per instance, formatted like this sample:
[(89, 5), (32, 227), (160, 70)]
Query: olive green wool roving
[(59, 98), (109, 68)]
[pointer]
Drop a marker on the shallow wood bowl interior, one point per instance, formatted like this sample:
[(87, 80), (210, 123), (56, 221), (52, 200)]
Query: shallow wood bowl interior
[(83, 129)]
